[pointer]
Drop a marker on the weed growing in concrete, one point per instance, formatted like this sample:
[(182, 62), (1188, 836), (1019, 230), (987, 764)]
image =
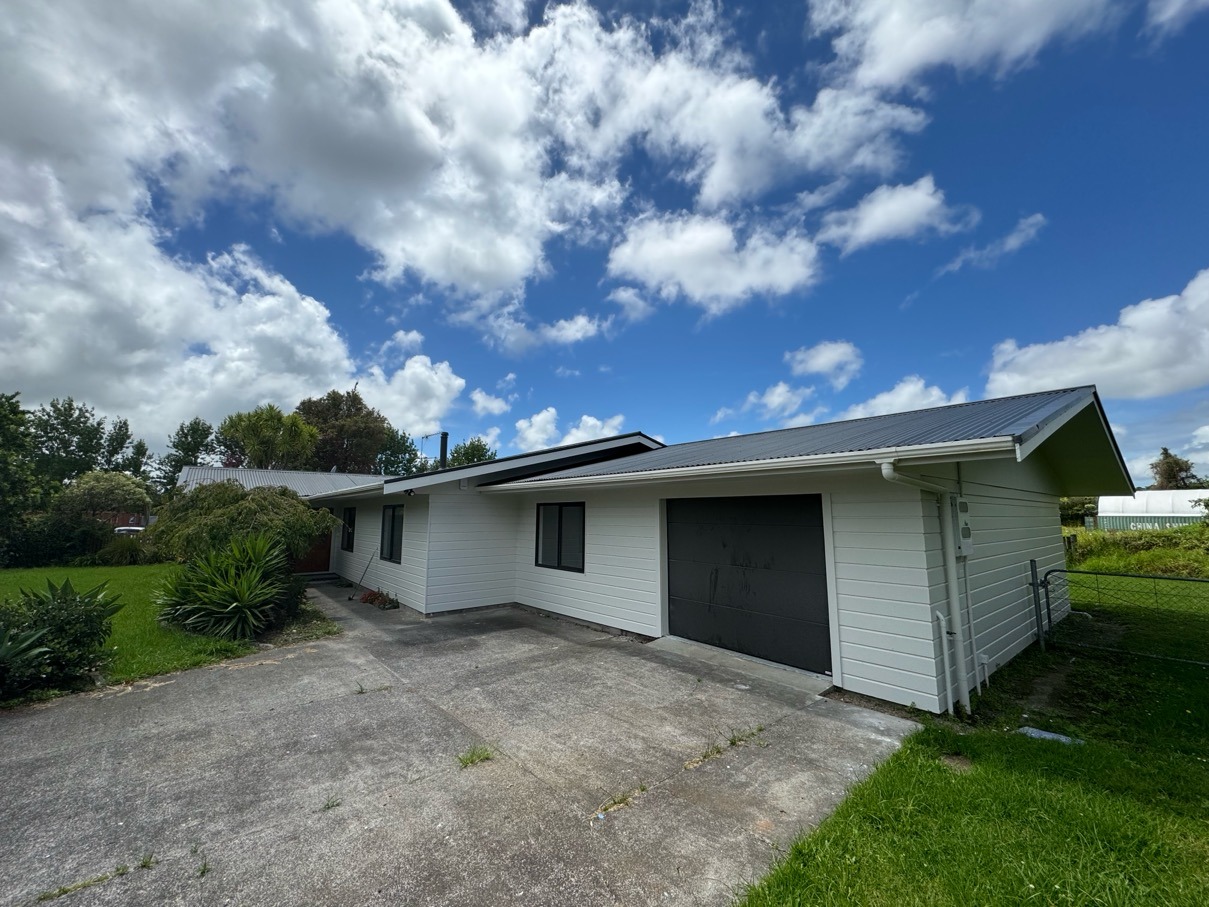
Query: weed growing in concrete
[(195, 848), (478, 753), (733, 739), (330, 803), (360, 689), (618, 801), (203, 869), (147, 861), (80, 886)]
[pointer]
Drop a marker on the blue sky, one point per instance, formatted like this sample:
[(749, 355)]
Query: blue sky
[(546, 223)]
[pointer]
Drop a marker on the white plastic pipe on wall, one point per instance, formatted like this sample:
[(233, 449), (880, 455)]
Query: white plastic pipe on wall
[(948, 544), (944, 649)]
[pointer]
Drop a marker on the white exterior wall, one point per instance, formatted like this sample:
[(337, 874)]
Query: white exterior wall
[(887, 558), (407, 580), (471, 550), (880, 561), (620, 585), (1013, 517)]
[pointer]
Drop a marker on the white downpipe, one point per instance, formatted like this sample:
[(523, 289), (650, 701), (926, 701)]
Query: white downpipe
[(948, 544), (944, 648)]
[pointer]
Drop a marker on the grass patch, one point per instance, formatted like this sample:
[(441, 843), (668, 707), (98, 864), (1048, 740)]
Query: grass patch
[(982, 815), (329, 804), (139, 644), (478, 753)]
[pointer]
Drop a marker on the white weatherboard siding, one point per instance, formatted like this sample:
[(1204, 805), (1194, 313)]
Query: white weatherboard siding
[(406, 580), (887, 555), (1014, 518), (620, 585), (471, 550)]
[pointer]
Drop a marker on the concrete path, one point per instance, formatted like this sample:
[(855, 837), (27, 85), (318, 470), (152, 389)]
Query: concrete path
[(224, 773)]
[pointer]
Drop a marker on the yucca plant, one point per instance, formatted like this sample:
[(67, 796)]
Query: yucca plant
[(231, 593), (73, 626), (20, 657)]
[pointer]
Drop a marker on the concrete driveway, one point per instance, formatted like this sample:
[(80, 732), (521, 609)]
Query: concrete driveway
[(224, 773)]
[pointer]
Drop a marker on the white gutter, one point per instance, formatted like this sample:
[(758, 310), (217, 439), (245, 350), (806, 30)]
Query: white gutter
[(948, 542), (966, 450)]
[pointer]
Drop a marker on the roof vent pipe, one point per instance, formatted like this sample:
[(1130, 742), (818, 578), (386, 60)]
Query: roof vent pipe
[(444, 449), (948, 543)]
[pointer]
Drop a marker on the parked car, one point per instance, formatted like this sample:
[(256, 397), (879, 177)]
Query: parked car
[(127, 530)]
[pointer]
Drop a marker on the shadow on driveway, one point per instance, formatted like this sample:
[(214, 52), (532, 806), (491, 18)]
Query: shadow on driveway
[(327, 773)]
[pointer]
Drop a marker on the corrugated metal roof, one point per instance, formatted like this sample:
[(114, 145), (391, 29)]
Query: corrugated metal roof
[(304, 483), (1016, 417)]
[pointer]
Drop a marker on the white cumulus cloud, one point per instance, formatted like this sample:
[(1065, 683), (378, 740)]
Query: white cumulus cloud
[(891, 43), (838, 360), (541, 430), (895, 212), (1156, 347), (702, 260), (487, 405), (909, 394)]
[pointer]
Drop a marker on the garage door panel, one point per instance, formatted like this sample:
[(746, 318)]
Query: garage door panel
[(786, 510), (777, 593), (750, 574), (799, 643), (779, 547)]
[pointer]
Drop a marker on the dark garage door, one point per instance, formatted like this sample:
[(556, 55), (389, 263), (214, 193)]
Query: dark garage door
[(749, 574)]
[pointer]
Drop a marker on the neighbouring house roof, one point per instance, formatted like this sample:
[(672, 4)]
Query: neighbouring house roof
[(305, 484), (1071, 421)]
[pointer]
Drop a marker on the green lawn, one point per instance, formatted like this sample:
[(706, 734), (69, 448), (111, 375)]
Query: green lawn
[(140, 646), (977, 814)]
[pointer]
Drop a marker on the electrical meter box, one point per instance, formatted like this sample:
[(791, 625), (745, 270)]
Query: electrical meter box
[(961, 526)]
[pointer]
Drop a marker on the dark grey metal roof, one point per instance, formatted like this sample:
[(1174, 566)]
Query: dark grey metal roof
[(1016, 417), (304, 483)]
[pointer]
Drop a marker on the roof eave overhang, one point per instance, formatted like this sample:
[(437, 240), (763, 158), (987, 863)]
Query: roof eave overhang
[(921, 455), (470, 474), (359, 491)]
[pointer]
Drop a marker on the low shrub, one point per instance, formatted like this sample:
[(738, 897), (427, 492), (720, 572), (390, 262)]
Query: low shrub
[(1179, 551), (72, 626), (382, 600), (20, 658), (1156, 562), (125, 551), (52, 539), (233, 592)]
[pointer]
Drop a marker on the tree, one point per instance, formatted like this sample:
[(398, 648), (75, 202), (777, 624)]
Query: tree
[(17, 485), (209, 516), (100, 492), (1171, 471), (269, 439), (351, 434), (68, 439), (192, 444), (122, 452), (398, 455), (474, 450)]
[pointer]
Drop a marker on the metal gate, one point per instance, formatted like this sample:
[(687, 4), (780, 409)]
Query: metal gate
[(1156, 616)]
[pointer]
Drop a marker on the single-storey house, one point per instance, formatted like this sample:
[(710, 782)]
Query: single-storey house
[(890, 553)]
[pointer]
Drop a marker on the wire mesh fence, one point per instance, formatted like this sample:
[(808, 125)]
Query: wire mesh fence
[(1160, 616)]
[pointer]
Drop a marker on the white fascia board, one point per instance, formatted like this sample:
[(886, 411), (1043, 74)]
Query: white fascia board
[(493, 466), (982, 448), (1023, 450)]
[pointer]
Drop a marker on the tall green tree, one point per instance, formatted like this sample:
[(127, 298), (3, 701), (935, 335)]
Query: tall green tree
[(398, 455), (269, 439), (192, 444), (17, 484), (475, 450), (95, 493), (1171, 471), (351, 433), (68, 440), (121, 451)]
